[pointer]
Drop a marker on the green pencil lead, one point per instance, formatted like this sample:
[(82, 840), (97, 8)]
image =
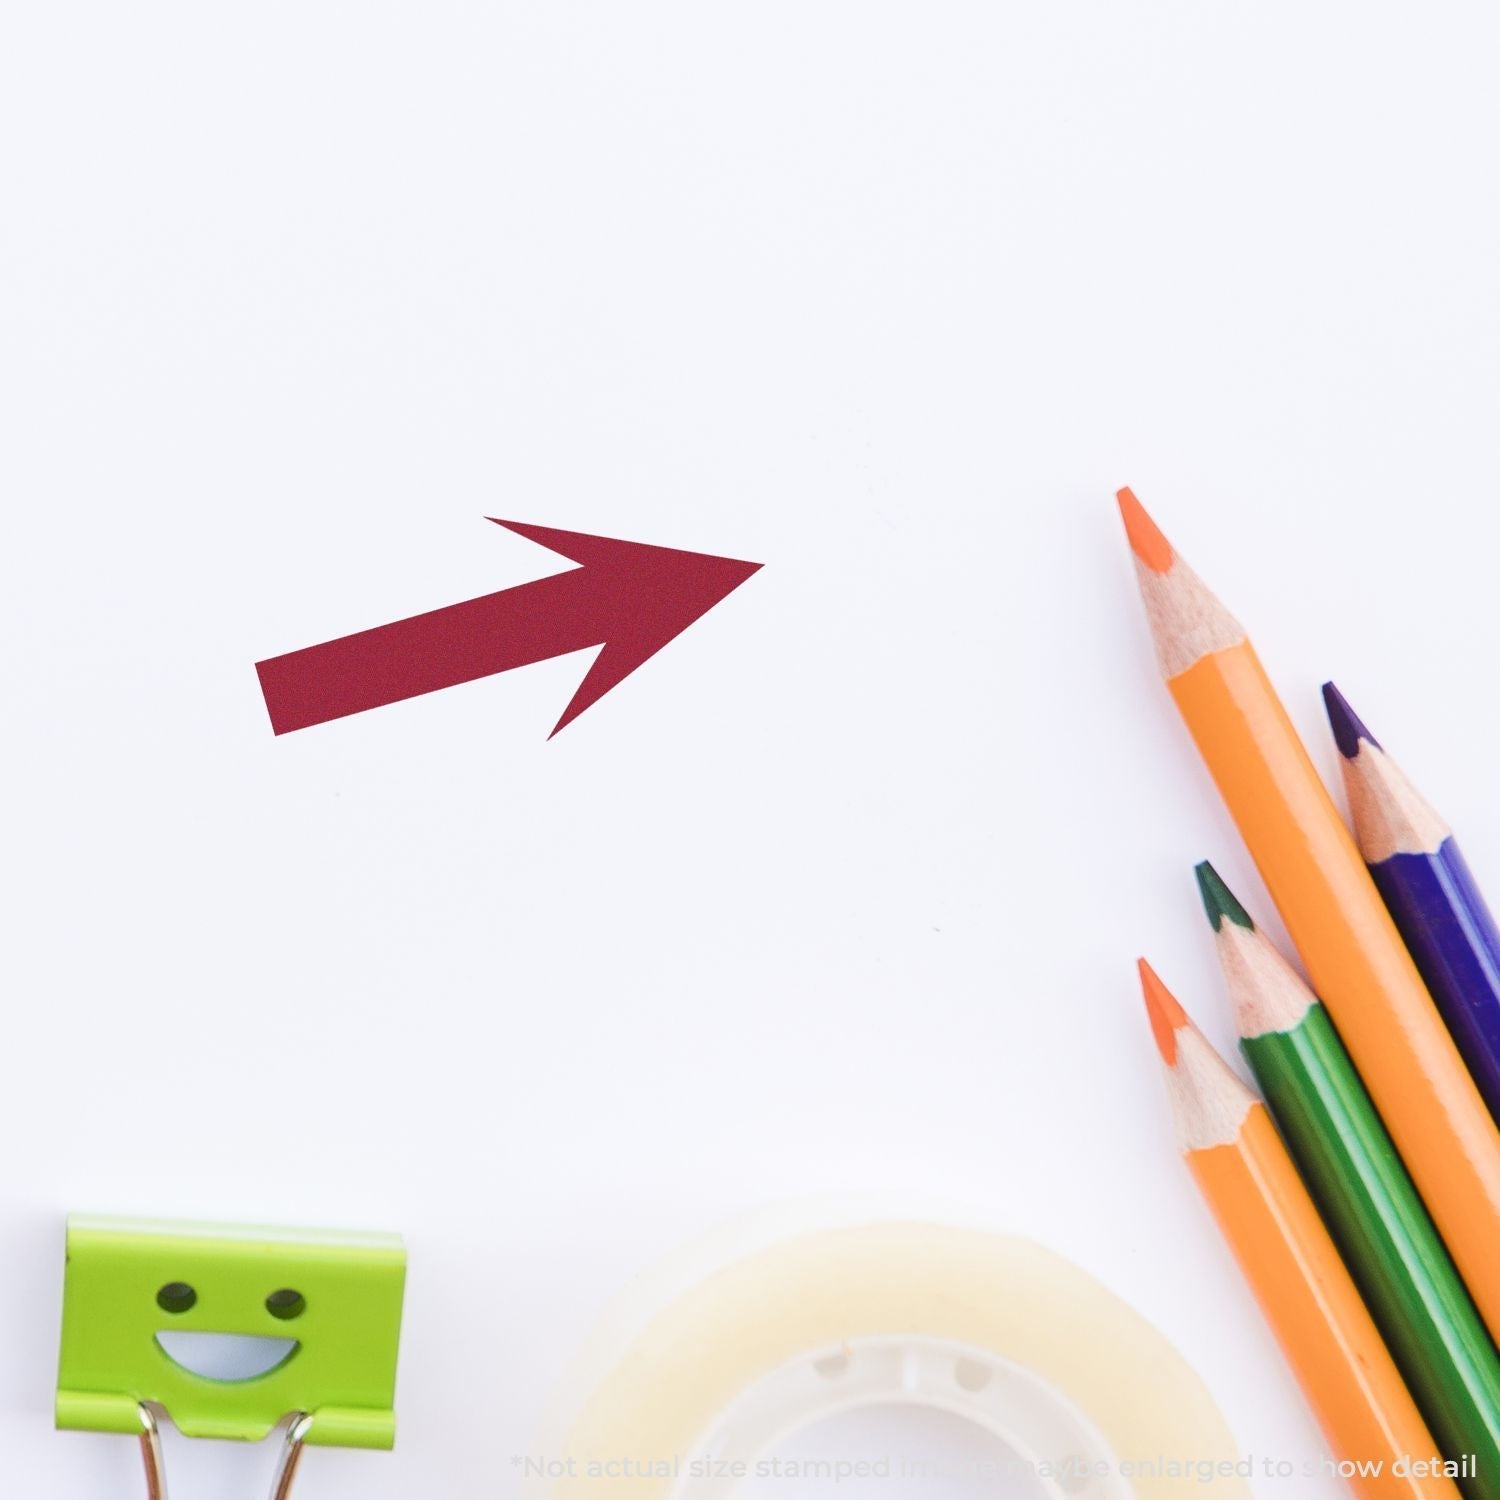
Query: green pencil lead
[(1218, 899)]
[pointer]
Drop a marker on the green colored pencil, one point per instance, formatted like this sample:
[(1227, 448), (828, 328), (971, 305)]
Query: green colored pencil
[(1434, 1333)]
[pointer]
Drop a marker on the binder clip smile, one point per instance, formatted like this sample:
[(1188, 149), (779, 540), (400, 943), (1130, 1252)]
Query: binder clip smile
[(313, 1321)]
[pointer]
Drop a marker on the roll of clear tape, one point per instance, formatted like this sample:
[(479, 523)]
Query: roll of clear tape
[(1087, 1395)]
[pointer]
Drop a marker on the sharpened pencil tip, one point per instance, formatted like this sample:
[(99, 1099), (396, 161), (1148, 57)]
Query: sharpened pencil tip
[(1146, 541), (1348, 728), (1165, 1014), (1219, 901)]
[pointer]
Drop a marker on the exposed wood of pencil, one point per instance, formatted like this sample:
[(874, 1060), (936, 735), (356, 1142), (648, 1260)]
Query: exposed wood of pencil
[(1287, 1256), (1331, 908), (1429, 891), (1429, 1323)]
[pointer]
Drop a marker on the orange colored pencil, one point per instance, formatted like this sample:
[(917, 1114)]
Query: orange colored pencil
[(1325, 1332), (1353, 953)]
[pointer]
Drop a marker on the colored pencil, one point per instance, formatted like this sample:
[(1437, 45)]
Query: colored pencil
[(1353, 953), (1429, 891), (1429, 1323), (1291, 1263)]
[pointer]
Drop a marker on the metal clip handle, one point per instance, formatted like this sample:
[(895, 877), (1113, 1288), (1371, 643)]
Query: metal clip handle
[(156, 1475), (281, 1481)]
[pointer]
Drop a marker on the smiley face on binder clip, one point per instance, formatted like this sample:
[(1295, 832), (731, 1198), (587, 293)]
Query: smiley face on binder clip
[(230, 1331)]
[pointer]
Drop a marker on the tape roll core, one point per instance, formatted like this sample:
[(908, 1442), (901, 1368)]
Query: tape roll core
[(1032, 1418)]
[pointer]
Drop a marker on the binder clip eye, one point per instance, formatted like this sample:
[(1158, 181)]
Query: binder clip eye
[(231, 1333)]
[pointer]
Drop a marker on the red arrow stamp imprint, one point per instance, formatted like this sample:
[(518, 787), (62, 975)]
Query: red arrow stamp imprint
[(627, 597)]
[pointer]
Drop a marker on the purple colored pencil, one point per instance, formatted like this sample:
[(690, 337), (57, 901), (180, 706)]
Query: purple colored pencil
[(1430, 893)]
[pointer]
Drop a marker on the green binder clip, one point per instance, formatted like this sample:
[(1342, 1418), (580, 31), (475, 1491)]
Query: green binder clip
[(311, 1322)]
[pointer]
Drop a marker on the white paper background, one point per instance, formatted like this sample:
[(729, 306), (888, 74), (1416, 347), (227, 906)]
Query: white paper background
[(839, 894)]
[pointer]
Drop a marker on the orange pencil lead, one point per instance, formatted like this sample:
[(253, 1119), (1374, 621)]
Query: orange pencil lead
[(1164, 1011), (1146, 540)]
